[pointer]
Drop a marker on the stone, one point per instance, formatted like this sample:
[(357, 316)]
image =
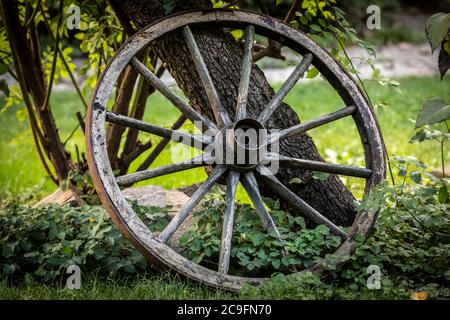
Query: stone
[(146, 196), (156, 196)]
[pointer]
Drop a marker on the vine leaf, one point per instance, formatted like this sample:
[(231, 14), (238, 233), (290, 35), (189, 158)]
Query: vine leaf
[(4, 87), (437, 29), (433, 111), (296, 181), (444, 57), (169, 6), (3, 69)]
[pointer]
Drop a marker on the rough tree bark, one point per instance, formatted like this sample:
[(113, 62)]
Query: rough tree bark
[(223, 56)]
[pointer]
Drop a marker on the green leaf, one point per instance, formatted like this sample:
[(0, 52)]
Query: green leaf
[(54, 261), (237, 34), (276, 264), (285, 261), (304, 20), (416, 176), (31, 255), (322, 22), (437, 29), (4, 87), (315, 27), (322, 176), (300, 221), (169, 6), (312, 73), (61, 235), (8, 249), (444, 57), (443, 194), (419, 136), (67, 251), (52, 233), (433, 111), (3, 69), (296, 181), (9, 268), (128, 267), (447, 275), (323, 229)]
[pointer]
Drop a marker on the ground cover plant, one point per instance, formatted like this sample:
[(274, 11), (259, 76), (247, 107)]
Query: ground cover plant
[(410, 244)]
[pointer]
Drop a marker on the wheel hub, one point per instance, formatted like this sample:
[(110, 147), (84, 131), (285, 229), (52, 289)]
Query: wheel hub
[(241, 145)]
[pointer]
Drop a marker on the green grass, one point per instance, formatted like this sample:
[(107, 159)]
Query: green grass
[(20, 168), (149, 287)]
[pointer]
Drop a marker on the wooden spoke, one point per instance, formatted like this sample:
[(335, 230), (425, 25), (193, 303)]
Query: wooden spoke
[(175, 223), (276, 186), (286, 88), (321, 166), (303, 127), (247, 62), (161, 145), (186, 109), (228, 220), (250, 184), (161, 171), (199, 142), (220, 113)]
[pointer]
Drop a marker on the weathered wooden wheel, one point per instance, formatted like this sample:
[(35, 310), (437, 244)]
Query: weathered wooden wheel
[(154, 246)]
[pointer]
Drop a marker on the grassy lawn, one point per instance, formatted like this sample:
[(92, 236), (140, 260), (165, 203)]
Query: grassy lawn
[(21, 170), (150, 287)]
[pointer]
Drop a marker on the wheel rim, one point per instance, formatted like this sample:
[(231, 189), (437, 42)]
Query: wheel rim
[(125, 218)]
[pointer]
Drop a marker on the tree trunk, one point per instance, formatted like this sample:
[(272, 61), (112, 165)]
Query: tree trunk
[(27, 60), (223, 56)]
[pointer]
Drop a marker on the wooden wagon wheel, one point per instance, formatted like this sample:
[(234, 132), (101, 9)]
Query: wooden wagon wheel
[(154, 246)]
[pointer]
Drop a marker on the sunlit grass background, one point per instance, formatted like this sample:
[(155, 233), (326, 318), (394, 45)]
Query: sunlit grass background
[(20, 168)]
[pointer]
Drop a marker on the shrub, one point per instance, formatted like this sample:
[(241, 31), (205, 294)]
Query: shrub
[(309, 286), (411, 240), (410, 245), (254, 249), (42, 243)]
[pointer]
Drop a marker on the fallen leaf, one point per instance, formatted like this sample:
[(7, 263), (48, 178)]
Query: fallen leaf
[(419, 295)]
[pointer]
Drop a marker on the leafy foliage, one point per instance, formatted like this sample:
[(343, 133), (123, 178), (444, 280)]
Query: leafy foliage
[(310, 286), (254, 249), (437, 30), (410, 244), (41, 243)]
